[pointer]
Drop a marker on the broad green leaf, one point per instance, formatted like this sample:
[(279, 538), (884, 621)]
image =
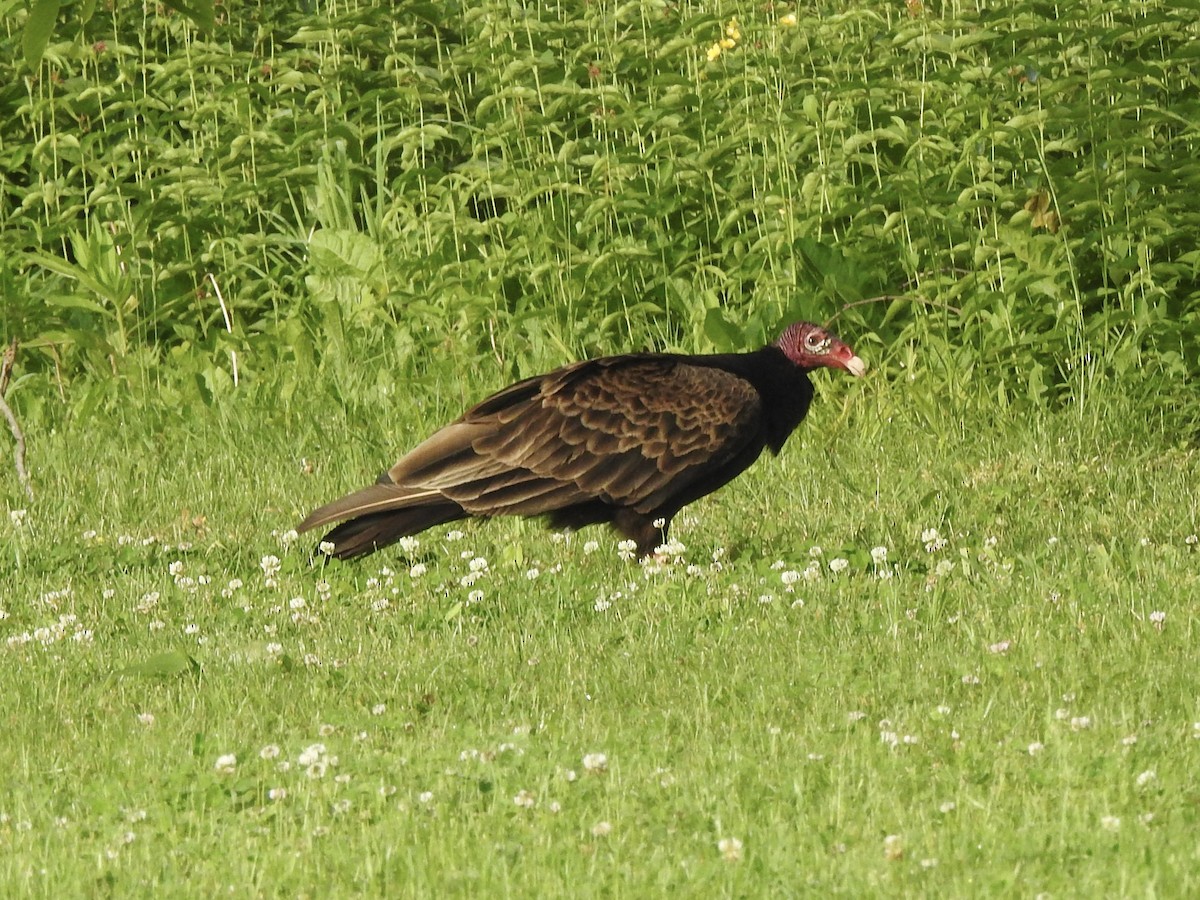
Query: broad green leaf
[(163, 665), (42, 17)]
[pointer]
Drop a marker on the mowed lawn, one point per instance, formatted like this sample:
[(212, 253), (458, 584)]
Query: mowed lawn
[(916, 655)]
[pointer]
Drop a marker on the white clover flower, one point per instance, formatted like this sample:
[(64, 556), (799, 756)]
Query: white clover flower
[(146, 719), (838, 565), (1081, 723), (660, 523), (948, 807), (1158, 618), (525, 800), (731, 848), (814, 552), (789, 578), (1145, 778), (409, 544), (17, 517), (474, 597), (591, 546), (276, 794), (893, 847), (288, 537), (999, 647), (855, 716), (532, 573), (1110, 823), (454, 535), (269, 751), (478, 564), (417, 570), (595, 763), (601, 829), (626, 550), (673, 547), (226, 764), (943, 568), (879, 555), (1192, 540), (311, 754)]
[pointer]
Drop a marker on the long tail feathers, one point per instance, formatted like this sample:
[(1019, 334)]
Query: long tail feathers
[(380, 515), (366, 534)]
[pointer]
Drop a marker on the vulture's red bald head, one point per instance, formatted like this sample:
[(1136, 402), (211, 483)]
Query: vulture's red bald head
[(810, 346)]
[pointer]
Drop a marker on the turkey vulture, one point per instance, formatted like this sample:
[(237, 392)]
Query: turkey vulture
[(629, 440)]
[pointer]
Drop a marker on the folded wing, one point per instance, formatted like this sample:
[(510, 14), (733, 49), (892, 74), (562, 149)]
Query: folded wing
[(621, 437)]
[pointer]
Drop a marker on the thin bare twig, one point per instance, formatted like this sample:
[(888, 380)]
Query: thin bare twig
[(228, 325), (887, 298), (6, 367)]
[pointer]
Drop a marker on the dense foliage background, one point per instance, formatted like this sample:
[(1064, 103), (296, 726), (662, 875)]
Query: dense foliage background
[(315, 187)]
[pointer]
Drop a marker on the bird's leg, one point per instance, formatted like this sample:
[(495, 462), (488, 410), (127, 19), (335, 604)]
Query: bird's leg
[(648, 532)]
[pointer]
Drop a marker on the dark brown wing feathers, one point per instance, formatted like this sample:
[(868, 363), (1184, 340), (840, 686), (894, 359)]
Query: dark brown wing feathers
[(630, 432)]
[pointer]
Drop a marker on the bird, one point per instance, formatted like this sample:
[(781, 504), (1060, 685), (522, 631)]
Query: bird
[(626, 440)]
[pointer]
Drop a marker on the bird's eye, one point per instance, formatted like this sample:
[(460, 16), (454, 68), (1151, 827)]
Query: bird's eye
[(817, 343)]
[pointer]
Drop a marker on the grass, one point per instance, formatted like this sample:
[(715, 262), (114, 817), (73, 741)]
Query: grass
[(995, 705)]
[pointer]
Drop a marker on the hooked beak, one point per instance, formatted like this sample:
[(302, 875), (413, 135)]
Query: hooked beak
[(855, 366)]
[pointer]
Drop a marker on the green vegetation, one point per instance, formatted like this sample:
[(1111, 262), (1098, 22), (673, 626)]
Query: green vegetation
[(546, 182), (995, 703), (249, 266)]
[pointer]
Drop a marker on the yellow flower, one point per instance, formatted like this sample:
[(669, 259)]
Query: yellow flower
[(788, 21), (728, 43), (733, 31), (713, 52)]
